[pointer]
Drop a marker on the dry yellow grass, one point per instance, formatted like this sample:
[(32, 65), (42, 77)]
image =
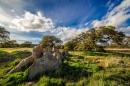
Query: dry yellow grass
[(121, 49), (16, 49)]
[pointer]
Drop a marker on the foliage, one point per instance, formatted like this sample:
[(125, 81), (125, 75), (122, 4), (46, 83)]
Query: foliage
[(9, 44), (14, 79), (50, 41), (26, 44), (70, 45), (4, 34), (60, 46), (95, 38)]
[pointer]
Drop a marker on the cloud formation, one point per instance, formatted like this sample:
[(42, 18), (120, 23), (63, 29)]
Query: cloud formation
[(67, 33), (37, 22), (116, 17), (4, 16), (125, 29), (9, 9), (32, 22)]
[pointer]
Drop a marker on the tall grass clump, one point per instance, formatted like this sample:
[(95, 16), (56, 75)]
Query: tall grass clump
[(14, 79)]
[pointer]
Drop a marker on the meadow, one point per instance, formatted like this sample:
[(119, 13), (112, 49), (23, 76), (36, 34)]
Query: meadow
[(86, 68)]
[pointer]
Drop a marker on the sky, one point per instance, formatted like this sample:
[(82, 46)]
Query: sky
[(31, 20)]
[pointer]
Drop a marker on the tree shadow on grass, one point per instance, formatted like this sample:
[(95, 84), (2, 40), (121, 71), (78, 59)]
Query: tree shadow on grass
[(5, 56), (121, 54), (122, 77), (69, 73), (21, 54), (107, 53)]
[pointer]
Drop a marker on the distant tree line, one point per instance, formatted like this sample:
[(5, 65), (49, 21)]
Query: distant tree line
[(98, 38), (94, 39), (14, 44), (5, 41)]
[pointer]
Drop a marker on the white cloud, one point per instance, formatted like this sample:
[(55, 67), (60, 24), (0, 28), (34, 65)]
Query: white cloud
[(9, 9), (32, 22), (2, 25), (16, 5), (111, 6), (125, 29), (37, 22), (4, 16), (86, 23), (108, 3), (116, 17), (67, 33), (12, 10)]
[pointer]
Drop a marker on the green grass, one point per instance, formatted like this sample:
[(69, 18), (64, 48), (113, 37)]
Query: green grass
[(7, 64), (14, 79), (88, 68)]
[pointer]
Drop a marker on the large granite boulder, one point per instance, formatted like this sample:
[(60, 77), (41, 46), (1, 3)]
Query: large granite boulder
[(49, 61), (64, 52), (22, 64), (37, 53), (42, 59)]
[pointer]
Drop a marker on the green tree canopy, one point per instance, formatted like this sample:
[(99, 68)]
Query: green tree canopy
[(50, 41), (9, 44), (4, 35), (26, 44), (95, 38)]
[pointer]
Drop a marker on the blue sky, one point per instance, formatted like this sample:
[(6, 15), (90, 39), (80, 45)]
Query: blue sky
[(30, 20)]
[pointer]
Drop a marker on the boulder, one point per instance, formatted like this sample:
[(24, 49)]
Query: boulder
[(64, 52), (22, 64), (47, 62), (48, 49), (54, 49), (37, 52), (47, 59)]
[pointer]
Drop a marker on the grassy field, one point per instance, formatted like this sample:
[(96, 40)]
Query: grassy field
[(15, 49), (88, 68)]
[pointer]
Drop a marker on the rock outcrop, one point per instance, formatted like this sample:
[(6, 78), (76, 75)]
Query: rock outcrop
[(37, 53), (42, 59), (64, 52), (22, 64), (49, 61)]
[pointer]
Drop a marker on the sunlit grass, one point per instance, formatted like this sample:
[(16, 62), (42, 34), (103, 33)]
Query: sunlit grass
[(15, 49), (87, 68)]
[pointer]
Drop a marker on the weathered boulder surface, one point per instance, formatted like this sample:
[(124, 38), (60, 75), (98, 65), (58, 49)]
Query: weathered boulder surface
[(42, 59), (37, 53), (48, 61), (64, 52), (22, 64)]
